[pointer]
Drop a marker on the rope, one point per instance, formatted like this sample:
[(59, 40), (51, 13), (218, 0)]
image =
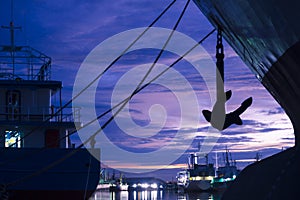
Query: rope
[(99, 130), (87, 178), (99, 75), (108, 121), (117, 105), (111, 64), (163, 48), (144, 86)]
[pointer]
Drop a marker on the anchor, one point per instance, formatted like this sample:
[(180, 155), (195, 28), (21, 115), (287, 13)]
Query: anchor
[(218, 117)]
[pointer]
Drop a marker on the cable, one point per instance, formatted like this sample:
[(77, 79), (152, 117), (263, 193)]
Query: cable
[(44, 122), (164, 46), (116, 61), (87, 178), (99, 75), (128, 98), (138, 89), (99, 130)]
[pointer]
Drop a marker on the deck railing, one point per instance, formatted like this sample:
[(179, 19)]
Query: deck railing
[(24, 62), (34, 114)]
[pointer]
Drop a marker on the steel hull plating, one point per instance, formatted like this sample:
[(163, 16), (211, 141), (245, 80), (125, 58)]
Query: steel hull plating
[(266, 35), (50, 194), (24, 173), (201, 185)]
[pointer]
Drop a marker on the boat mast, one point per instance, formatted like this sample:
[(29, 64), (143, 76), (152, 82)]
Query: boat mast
[(12, 29), (217, 165), (227, 157)]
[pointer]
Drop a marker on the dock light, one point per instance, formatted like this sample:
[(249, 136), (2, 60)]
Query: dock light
[(145, 185), (153, 186)]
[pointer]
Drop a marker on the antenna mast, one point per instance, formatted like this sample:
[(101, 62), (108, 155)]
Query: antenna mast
[(12, 28)]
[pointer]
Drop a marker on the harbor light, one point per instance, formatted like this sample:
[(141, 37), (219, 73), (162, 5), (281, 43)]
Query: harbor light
[(145, 185), (153, 186)]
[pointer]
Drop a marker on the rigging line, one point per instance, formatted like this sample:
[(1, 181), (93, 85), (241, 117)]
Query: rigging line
[(154, 63), (147, 74), (144, 86), (118, 58), (87, 178), (157, 58), (46, 168), (126, 99), (99, 75), (163, 48)]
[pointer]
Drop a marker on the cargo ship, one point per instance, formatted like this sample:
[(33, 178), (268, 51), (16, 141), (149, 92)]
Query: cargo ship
[(266, 35), (38, 159)]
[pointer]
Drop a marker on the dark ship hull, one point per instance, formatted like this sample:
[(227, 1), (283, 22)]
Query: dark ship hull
[(266, 35), (75, 177)]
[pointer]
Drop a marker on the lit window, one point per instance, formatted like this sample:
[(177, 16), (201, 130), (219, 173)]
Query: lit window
[(13, 139)]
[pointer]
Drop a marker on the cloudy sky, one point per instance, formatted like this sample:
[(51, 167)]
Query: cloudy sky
[(160, 125)]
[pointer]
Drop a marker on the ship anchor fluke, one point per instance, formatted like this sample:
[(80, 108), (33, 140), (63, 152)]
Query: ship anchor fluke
[(230, 118), (218, 117)]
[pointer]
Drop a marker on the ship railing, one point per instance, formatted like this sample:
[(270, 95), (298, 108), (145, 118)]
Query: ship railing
[(36, 113), (24, 62)]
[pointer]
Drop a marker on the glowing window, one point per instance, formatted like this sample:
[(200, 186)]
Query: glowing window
[(13, 139)]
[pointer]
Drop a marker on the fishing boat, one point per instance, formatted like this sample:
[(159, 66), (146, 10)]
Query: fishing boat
[(266, 35), (197, 177), (226, 173), (38, 159)]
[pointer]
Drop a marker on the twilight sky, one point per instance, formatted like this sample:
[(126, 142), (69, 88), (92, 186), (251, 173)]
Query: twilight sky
[(69, 30)]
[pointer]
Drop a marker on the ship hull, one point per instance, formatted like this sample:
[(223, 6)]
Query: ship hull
[(30, 173), (266, 35), (49, 194), (274, 178), (195, 186), (201, 185), (221, 186)]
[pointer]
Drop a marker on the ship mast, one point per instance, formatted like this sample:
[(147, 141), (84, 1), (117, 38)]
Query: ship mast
[(217, 165), (12, 29)]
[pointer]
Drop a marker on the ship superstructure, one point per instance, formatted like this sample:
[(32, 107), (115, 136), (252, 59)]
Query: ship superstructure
[(198, 177), (27, 93), (38, 159)]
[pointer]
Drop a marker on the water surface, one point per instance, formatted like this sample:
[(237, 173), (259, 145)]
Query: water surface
[(154, 195)]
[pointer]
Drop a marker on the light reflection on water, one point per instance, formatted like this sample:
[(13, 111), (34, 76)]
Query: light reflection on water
[(153, 195)]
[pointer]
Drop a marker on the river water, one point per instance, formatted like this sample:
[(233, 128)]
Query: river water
[(154, 195)]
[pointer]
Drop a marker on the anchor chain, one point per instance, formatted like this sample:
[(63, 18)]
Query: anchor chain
[(220, 54)]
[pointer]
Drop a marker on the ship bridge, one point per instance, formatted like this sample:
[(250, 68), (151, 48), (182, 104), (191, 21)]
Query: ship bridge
[(31, 110)]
